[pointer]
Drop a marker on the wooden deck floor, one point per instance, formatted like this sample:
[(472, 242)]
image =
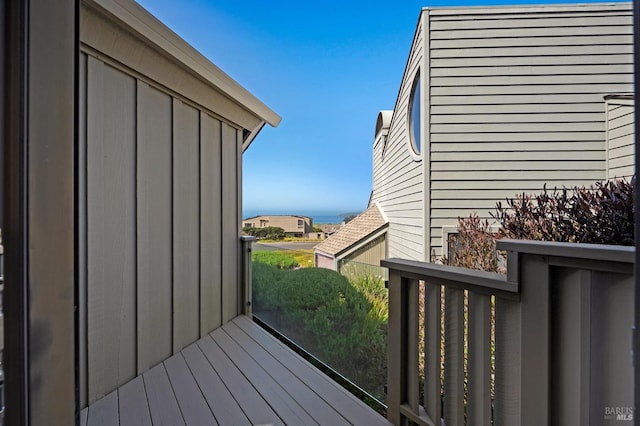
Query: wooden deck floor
[(238, 375)]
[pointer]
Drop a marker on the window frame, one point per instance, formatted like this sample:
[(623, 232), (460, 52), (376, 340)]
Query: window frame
[(417, 147)]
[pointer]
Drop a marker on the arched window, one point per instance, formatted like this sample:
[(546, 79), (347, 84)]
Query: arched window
[(415, 103)]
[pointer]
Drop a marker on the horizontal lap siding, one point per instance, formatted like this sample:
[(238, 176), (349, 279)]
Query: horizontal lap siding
[(620, 139), (517, 101), (162, 225), (398, 179)]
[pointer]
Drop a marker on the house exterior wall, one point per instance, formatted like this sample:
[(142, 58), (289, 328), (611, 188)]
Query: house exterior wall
[(159, 203), (364, 261), (398, 175), (325, 261), (371, 253), (620, 138), (161, 270), (290, 224), (513, 99)]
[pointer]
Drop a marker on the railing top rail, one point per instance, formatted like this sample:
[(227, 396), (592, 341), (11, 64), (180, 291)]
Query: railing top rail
[(601, 252), (468, 279)]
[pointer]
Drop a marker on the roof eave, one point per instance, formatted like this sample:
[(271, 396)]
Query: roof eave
[(140, 21)]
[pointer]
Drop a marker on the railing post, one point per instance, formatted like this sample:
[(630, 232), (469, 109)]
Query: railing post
[(403, 397), (395, 352), (247, 244), (535, 340), (523, 339)]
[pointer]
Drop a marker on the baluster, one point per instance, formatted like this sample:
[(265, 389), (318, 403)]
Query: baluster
[(479, 360)]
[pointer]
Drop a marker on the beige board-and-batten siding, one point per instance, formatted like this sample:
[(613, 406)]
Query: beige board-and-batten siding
[(514, 99), (159, 196), (620, 137), (155, 185)]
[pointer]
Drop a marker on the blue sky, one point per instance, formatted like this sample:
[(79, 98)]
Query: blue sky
[(326, 68)]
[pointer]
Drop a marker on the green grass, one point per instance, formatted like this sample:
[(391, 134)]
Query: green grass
[(279, 259), (303, 257)]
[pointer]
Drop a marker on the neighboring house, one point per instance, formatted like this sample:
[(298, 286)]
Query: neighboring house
[(501, 100), (293, 225), (328, 229), (361, 240)]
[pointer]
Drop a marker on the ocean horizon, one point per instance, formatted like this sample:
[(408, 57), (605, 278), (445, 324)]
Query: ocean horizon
[(318, 217)]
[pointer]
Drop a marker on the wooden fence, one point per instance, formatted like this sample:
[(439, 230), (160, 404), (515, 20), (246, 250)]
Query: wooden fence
[(550, 342)]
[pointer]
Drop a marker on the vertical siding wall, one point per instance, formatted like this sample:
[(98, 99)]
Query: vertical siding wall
[(517, 100), (620, 138), (159, 212), (398, 176), (371, 253)]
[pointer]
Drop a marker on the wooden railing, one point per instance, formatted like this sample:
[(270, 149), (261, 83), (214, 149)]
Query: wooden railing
[(549, 342), (245, 290)]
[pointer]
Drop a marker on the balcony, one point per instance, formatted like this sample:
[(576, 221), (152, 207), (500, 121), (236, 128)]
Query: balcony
[(237, 375), (549, 343)]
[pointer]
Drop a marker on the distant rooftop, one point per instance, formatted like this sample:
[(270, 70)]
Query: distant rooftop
[(278, 215), (363, 225)]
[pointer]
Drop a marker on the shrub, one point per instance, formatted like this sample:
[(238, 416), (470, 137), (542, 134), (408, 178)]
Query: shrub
[(475, 246), (601, 214), (373, 287), (265, 279), (322, 312), (268, 232)]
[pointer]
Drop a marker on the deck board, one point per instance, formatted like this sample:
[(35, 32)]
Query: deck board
[(236, 375), (224, 406), (343, 401), (321, 412), (254, 406), (162, 401), (132, 403), (194, 407), (286, 406), (104, 412)]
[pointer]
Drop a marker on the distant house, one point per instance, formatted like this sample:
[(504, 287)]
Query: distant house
[(496, 101), (293, 225), (360, 241)]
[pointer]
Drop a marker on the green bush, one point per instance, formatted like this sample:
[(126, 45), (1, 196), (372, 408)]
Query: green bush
[(373, 287), (274, 258), (265, 286), (269, 232), (324, 313)]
